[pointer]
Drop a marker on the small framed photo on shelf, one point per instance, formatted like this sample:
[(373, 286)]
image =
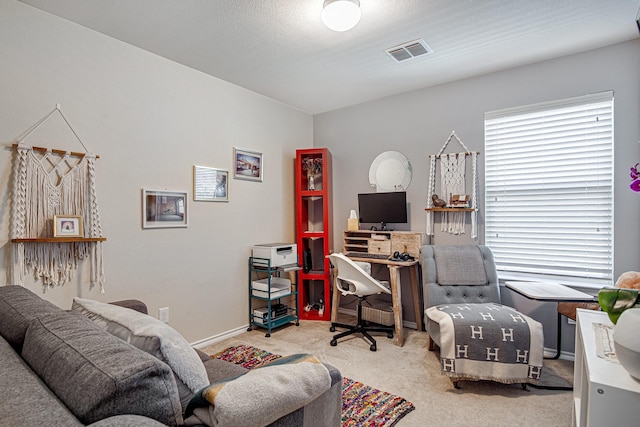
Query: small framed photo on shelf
[(67, 226), (210, 184), (164, 209), (247, 164)]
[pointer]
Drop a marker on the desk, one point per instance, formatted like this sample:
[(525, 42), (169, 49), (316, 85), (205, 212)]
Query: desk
[(396, 296), (551, 292)]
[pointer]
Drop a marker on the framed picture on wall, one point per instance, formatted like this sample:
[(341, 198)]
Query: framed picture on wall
[(164, 209), (247, 164), (67, 226), (210, 184)]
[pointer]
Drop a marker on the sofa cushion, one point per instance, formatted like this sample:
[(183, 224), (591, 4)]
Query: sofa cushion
[(97, 375), (24, 399), (154, 337), (18, 306)]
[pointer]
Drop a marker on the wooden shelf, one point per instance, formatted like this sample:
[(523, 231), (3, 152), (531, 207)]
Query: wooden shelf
[(59, 240), (450, 209), (383, 242)]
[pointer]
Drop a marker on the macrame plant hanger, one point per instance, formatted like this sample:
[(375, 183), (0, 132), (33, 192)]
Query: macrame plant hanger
[(452, 181), (49, 182)]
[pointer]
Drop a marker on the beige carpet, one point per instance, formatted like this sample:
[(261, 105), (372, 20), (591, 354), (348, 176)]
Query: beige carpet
[(413, 372)]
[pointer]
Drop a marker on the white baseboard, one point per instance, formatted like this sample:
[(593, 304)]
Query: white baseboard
[(220, 337)]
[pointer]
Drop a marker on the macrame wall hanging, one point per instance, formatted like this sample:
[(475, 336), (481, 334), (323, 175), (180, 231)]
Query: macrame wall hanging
[(453, 183), (50, 182)]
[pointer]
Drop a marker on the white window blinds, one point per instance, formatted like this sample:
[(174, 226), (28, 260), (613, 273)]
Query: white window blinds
[(548, 188)]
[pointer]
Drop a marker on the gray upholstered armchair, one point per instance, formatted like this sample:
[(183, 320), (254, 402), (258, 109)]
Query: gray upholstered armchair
[(479, 339)]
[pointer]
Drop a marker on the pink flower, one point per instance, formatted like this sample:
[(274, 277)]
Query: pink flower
[(635, 178)]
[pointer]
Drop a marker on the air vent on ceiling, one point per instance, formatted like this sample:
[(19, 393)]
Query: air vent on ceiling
[(409, 50)]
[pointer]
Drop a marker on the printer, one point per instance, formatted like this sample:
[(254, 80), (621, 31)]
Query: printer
[(279, 254)]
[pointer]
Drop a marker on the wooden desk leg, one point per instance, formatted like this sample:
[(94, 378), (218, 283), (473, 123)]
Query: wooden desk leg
[(335, 299), (397, 304), (416, 296)]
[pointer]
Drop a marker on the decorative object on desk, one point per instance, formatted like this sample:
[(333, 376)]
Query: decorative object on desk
[(352, 221), (453, 181), (249, 164), (361, 405), (635, 178), (49, 182), (164, 209), (614, 301), (67, 226), (210, 184), (313, 166), (438, 202), (627, 341), (390, 171)]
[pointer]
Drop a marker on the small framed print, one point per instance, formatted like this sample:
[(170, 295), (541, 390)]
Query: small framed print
[(210, 184), (164, 209), (67, 226), (247, 164)]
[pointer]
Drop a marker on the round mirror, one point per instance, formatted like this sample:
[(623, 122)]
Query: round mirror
[(390, 171)]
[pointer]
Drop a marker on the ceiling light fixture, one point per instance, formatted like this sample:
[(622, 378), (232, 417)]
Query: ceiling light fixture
[(341, 15)]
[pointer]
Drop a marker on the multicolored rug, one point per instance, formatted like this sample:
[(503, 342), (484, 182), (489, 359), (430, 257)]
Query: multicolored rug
[(361, 405)]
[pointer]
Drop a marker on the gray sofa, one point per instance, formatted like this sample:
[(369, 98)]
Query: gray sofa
[(61, 368)]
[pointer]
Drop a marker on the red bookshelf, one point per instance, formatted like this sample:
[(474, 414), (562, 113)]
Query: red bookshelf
[(313, 231)]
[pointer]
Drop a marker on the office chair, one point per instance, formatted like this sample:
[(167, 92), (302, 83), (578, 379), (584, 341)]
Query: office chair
[(479, 338), (351, 279)]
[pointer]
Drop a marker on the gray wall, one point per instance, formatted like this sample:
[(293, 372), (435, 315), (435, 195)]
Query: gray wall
[(150, 120), (418, 123)]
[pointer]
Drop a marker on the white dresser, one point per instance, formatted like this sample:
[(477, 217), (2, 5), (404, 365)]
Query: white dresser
[(604, 394)]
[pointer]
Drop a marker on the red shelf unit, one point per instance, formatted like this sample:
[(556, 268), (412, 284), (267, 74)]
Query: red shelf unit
[(313, 232)]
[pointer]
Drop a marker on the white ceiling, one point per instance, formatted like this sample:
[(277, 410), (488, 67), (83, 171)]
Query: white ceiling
[(281, 49)]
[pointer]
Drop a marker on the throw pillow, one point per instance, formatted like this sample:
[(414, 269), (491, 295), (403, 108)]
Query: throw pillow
[(97, 375), (154, 337)]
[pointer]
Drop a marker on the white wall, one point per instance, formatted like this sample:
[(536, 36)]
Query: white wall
[(150, 120), (418, 123)]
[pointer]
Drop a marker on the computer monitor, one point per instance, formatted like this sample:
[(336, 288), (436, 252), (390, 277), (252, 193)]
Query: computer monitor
[(383, 208)]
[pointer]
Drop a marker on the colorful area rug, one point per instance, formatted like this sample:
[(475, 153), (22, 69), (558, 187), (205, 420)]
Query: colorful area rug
[(361, 405)]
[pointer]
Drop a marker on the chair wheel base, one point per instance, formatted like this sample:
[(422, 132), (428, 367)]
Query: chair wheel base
[(333, 343), (332, 329), (390, 335), (373, 347)]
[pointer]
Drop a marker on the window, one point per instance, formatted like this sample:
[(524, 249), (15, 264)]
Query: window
[(548, 190)]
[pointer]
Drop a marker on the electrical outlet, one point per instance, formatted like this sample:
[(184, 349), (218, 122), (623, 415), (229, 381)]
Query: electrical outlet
[(163, 314)]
